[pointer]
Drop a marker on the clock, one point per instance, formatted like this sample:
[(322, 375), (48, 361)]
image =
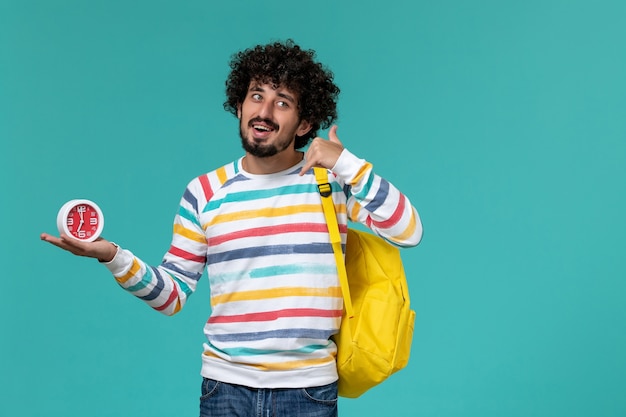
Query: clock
[(81, 219)]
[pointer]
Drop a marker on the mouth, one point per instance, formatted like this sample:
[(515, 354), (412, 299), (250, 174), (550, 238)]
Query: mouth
[(263, 126)]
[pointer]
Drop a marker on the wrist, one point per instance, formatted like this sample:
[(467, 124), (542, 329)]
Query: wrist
[(109, 254)]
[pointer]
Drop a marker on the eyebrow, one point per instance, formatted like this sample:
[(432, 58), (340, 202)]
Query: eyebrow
[(288, 97)]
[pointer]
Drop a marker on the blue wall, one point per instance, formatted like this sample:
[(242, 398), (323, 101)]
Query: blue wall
[(504, 122)]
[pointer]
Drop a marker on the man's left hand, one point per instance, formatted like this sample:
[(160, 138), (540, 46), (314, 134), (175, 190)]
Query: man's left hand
[(323, 153)]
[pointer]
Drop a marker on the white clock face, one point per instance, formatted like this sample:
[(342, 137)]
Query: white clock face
[(81, 219)]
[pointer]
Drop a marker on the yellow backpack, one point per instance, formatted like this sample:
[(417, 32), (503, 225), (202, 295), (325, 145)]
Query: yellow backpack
[(376, 332)]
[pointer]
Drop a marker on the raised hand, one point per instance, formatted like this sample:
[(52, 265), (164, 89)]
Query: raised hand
[(323, 153)]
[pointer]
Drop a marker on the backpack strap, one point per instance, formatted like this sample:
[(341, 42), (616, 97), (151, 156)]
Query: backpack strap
[(321, 175)]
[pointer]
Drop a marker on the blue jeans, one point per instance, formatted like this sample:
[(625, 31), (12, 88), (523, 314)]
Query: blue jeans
[(220, 399)]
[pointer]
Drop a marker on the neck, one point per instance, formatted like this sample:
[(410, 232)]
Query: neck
[(271, 164)]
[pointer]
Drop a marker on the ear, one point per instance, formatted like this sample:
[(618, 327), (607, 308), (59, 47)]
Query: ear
[(303, 128), (239, 111)]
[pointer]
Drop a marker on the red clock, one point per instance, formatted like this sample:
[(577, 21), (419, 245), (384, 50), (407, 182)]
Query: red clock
[(81, 219)]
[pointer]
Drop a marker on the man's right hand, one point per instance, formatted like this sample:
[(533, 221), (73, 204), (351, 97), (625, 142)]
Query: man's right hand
[(100, 249)]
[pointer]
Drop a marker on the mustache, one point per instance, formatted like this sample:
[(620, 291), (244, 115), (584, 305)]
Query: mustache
[(264, 121)]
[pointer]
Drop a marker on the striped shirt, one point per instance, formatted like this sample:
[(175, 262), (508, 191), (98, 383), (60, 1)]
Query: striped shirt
[(263, 240)]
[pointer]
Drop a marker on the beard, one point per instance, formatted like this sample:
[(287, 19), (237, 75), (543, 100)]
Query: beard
[(261, 150)]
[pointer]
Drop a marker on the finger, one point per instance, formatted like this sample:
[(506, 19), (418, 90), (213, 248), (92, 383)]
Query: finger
[(332, 135), (74, 244), (66, 243), (308, 159), (307, 165), (51, 239)]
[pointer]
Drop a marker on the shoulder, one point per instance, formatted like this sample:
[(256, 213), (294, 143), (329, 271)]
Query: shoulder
[(203, 187)]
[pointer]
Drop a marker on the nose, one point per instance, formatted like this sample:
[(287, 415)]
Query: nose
[(266, 109)]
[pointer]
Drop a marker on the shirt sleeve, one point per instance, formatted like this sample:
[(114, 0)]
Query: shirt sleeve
[(166, 287), (376, 203)]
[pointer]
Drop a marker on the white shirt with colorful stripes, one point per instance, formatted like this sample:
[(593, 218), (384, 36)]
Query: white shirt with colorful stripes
[(275, 294)]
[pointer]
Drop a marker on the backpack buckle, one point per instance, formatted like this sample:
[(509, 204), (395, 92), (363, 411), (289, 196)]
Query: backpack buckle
[(324, 189)]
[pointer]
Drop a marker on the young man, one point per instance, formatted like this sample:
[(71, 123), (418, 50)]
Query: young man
[(257, 226)]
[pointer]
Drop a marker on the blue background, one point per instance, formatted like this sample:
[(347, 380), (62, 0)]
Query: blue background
[(503, 121)]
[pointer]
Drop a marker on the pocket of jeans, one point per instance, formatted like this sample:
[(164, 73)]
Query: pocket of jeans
[(209, 387), (326, 394)]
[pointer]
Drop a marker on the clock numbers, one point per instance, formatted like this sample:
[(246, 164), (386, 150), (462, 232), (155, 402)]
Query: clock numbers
[(81, 219), (76, 221)]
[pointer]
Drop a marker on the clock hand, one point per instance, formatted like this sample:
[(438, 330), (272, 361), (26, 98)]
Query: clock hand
[(80, 213)]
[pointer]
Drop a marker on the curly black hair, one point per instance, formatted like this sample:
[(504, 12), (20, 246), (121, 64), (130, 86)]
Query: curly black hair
[(286, 64)]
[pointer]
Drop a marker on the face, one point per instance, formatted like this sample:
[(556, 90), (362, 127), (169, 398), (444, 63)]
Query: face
[(269, 120), (82, 221)]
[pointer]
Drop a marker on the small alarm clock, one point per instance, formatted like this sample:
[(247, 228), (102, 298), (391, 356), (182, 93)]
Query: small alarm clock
[(81, 219)]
